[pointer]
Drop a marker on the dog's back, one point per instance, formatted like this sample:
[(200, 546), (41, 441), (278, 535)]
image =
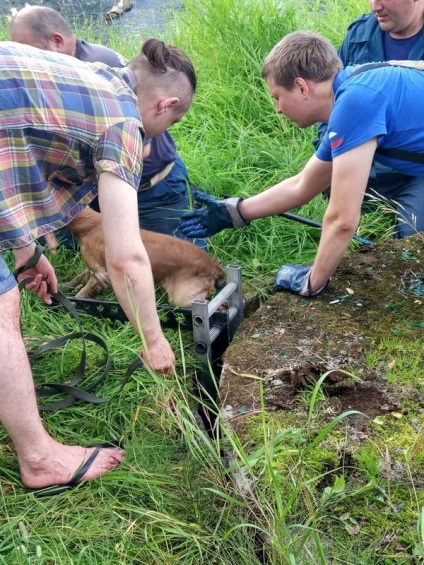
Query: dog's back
[(184, 270)]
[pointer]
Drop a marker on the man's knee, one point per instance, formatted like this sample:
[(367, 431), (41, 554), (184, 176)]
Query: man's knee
[(403, 193), (9, 308), (408, 223), (410, 208)]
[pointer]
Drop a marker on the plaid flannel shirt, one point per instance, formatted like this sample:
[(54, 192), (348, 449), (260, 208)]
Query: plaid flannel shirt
[(62, 123)]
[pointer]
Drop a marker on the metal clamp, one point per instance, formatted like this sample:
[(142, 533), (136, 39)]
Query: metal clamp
[(209, 322), (213, 328)]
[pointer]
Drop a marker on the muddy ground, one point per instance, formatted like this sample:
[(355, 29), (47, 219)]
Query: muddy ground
[(362, 472), (375, 301)]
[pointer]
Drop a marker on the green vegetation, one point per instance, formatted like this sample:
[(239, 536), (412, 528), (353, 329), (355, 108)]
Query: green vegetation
[(175, 500)]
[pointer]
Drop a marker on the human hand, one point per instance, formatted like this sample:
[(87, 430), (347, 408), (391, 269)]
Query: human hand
[(159, 356), (215, 216), (43, 277), (295, 278)]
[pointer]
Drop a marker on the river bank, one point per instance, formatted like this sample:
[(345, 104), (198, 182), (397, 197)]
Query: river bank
[(145, 15)]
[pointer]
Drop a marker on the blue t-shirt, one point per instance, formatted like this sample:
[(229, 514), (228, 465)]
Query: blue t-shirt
[(399, 49), (162, 152), (386, 103)]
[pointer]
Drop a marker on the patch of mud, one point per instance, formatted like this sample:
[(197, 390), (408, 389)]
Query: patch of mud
[(290, 342)]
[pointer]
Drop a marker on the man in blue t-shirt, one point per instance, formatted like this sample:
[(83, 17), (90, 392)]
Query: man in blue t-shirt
[(162, 196), (377, 113), (393, 31)]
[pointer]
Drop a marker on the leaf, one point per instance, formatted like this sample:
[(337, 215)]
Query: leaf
[(246, 375), (353, 530), (337, 488), (256, 262), (379, 420)]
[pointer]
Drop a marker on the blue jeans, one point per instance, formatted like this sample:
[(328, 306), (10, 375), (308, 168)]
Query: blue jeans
[(407, 195), (7, 280)]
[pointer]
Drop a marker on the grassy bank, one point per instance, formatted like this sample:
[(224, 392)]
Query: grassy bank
[(173, 500)]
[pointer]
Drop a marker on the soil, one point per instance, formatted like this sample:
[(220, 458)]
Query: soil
[(375, 302)]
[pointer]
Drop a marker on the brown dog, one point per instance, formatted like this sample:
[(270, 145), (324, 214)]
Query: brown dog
[(181, 268)]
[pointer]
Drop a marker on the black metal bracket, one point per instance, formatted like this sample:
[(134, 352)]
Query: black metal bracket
[(213, 323)]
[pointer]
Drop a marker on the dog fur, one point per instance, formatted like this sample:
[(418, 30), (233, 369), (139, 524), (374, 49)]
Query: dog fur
[(181, 268)]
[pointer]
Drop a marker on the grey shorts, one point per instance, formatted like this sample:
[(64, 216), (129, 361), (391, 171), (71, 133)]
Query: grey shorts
[(7, 280)]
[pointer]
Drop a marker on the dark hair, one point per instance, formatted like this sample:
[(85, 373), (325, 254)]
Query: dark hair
[(164, 57)]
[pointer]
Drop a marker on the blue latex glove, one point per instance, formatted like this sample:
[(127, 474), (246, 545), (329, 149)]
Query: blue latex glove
[(296, 279), (215, 215)]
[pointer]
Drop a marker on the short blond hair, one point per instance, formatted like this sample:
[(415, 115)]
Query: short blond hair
[(301, 54)]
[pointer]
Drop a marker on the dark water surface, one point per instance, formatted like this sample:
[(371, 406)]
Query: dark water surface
[(149, 15)]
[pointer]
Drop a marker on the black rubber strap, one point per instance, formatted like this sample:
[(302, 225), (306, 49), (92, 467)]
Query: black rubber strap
[(32, 261), (45, 390), (401, 154), (369, 67), (71, 389)]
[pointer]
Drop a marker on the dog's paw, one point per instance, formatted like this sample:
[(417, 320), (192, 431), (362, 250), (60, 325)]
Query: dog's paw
[(224, 306)]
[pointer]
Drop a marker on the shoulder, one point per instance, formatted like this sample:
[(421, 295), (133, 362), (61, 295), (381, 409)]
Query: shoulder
[(364, 25), (363, 42), (97, 53)]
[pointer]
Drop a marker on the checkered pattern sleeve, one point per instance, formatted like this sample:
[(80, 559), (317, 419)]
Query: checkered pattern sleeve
[(119, 152), (62, 123)]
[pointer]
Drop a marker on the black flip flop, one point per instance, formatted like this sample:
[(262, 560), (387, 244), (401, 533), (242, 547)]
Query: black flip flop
[(76, 478)]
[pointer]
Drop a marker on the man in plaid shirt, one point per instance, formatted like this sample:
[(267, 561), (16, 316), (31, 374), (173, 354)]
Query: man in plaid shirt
[(70, 131)]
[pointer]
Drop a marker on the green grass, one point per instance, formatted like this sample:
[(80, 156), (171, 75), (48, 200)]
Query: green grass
[(174, 499)]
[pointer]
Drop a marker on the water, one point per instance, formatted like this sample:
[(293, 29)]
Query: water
[(150, 15)]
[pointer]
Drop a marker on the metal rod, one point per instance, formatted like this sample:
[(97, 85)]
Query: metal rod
[(221, 297), (315, 224)]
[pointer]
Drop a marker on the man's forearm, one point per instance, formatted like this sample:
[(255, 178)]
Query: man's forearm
[(332, 247), (22, 254), (349, 181), (289, 193), (136, 294), (275, 200)]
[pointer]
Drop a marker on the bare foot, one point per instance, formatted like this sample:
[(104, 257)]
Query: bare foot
[(62, 463)]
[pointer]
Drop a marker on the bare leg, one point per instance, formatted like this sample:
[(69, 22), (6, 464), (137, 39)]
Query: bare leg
[(43, 461)]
